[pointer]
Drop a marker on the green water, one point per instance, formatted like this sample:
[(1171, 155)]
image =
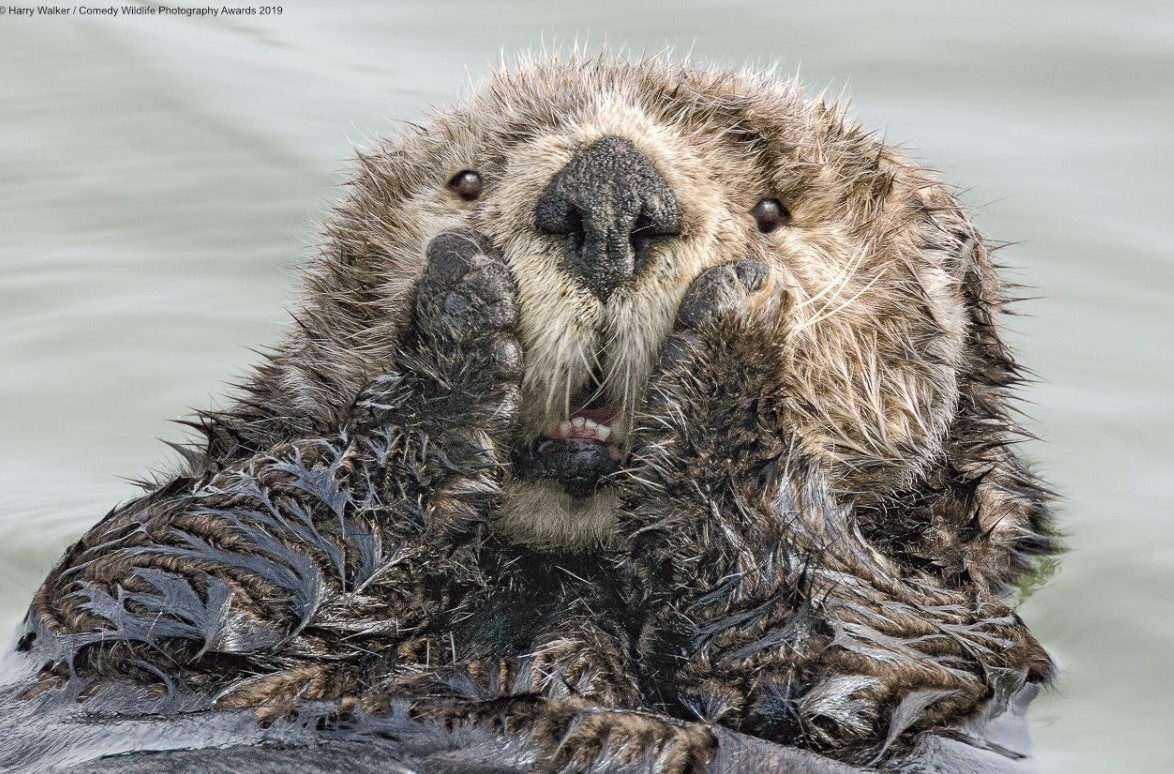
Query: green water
[(160, 178)]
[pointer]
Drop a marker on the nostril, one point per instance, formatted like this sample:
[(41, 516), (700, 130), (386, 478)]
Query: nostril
[(574, 230), (610, 204), (641, 236)]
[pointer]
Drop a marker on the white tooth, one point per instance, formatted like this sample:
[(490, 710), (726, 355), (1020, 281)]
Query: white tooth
[(564, 429), (578, 422), (603, 432), (590, 424)]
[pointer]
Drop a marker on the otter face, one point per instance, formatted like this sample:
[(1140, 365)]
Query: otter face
[(609, 187)]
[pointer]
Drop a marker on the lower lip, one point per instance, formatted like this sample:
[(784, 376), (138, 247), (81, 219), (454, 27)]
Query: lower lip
[(579, 466), (613, 450)]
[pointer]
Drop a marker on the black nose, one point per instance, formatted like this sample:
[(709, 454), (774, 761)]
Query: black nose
[(610, 203)]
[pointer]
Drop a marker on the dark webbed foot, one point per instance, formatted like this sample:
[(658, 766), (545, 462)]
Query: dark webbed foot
[(574, 735), (601, 740)]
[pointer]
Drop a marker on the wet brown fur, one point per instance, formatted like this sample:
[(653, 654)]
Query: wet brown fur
[(825, 571)]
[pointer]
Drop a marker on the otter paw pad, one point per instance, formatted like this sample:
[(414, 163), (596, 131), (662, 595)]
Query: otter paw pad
[(466, 291), (723, 290)]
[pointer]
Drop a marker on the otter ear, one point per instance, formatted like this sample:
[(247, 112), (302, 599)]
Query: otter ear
[(977, 516)]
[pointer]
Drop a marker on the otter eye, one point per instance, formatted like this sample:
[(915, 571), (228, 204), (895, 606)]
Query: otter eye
[(770, 214), (466, 184)]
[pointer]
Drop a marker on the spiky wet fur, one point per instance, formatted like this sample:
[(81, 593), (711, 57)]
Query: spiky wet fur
[(822, 503)]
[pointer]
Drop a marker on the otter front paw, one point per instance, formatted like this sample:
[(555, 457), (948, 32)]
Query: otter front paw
[(449, 409), (461, 352), (712, 413), (728, 290), (463, 349), (462, 338), (466, 303)]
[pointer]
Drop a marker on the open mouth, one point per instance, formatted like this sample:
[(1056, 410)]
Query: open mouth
[(579, 452)]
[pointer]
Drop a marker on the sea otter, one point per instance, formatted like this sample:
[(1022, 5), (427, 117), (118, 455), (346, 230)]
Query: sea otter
[(634, 413)]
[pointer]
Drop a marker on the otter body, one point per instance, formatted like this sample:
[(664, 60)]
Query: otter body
[(635, 413)]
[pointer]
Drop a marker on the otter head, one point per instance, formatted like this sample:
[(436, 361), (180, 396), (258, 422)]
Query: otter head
[(609, 187)]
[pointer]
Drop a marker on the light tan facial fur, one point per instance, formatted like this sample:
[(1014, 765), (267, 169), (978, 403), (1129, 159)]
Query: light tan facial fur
[(874, 261)]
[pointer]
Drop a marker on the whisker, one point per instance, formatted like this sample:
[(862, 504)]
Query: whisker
[(834, 287), (825, 315)]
